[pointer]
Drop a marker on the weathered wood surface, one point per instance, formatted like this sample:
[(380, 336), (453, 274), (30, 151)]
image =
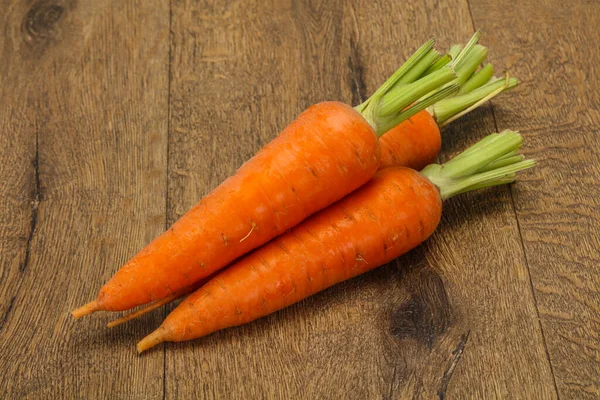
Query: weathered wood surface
[(118, 116), (552, 46), (83, 140)]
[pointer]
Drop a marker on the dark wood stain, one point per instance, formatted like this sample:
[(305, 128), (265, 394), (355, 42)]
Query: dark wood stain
[(427, 313)]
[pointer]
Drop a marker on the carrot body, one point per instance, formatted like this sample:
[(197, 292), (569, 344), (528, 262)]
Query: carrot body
[(393, 213), (415, 143), (326, 153)]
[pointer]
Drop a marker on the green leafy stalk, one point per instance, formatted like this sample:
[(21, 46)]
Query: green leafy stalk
[(478, 79), (490, 162), (400, 72), (473, 58), (443, 60), (426, 73), (388, 123), (468, 58), (459, 58), (405, 93), (455, 51), (450, 109), (505, 161), (419, 68), (401, 96)]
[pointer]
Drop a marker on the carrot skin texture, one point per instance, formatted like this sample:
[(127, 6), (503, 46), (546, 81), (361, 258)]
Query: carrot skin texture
[(326, 153), (415, 143), (393, 213)]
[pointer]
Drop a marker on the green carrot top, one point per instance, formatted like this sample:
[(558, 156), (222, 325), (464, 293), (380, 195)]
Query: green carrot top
[(409, 90), (448, 85), (490, 162)]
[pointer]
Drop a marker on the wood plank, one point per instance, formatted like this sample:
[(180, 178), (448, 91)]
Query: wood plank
[(241, 72), (89, 82), (18, 199), (553, 46)]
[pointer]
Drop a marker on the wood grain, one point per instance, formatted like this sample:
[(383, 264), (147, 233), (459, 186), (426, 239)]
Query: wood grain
[(84, 127), (553, 46)]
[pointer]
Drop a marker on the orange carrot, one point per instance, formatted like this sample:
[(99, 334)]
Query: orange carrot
[(330, 150), (416, 142), (396, 211)]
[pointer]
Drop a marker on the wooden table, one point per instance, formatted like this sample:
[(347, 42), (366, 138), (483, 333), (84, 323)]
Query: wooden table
[(117, 116)]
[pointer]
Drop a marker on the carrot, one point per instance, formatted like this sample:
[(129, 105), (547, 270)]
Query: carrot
[(416, 142), (396, 211), (330, 150)]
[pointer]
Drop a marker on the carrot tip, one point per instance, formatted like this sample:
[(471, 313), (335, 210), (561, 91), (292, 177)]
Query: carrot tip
[(116, 322), (156, 337), (89, 308)]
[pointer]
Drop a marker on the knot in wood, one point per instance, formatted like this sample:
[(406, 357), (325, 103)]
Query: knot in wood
[(426, 314), (40, 22)]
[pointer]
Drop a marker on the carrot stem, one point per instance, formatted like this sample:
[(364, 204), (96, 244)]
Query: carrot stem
[(443, 60), (400, 97), (476, 88), (504, 161), (396, 76), (478, 79), (465, 60), (419, 69), (449, 109), (459, 59), (422, 104), (476, 55), (490, 162), (455, 51)]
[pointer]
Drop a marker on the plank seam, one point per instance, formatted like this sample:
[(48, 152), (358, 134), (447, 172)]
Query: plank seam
[(537, 311), (167, 174)]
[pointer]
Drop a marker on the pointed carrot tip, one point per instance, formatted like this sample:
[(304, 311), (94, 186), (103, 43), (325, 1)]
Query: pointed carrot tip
[(114, 323), (156, 337), (89, 308)]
